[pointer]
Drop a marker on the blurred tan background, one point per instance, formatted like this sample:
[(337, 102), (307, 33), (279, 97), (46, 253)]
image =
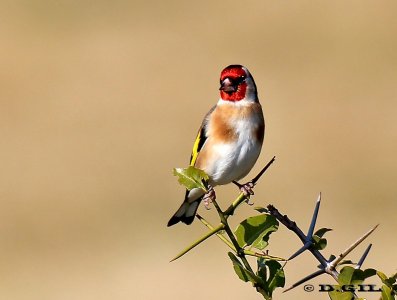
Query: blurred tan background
[(99, 100)]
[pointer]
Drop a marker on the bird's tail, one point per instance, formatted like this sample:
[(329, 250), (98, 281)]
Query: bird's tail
[(185, 213)]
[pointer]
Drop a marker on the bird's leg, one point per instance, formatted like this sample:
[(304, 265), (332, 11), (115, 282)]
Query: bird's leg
[(247, 189), (209, 196)]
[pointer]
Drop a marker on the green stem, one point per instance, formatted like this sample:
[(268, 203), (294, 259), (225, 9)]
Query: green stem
[(230, 245), (239, 251), (200, 240), (224, 215), (229, 232), (220, 235), (230, 210), (266, 256)]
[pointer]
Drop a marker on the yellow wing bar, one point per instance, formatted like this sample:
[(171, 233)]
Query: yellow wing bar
[(196, 148)]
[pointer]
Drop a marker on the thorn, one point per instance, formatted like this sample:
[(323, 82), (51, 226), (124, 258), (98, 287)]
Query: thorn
[(363, 257), (309, 237), (303, 280), (306, 246), (199, 241), (314, 218), (341, 256)]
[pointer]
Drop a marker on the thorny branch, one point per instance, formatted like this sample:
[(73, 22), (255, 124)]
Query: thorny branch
[(328, 267), (223, 229), (224, 215)]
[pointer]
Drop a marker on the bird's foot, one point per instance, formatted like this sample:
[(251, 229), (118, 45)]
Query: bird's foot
[(246, 189), (208, 197)]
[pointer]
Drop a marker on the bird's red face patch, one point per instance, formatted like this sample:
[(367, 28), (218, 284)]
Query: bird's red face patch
[(233, 84)]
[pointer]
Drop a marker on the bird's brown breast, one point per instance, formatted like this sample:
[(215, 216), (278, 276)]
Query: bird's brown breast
[(225, 116)]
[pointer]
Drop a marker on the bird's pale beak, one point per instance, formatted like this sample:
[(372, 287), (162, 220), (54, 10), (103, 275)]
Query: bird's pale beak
[(228, 86)]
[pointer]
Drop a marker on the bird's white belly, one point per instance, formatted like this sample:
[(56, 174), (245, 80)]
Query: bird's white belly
[(233, 160)]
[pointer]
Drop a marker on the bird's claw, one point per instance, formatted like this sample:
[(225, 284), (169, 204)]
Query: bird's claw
[(250, 203), (246, 189), (208, 197), (207, 203)]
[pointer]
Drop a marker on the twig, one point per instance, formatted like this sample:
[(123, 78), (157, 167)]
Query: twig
[(257, 177), (241, 198), (291, 225), (328, 267)]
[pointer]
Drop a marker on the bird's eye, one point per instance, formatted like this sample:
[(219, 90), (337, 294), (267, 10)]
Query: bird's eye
[(240, 79)]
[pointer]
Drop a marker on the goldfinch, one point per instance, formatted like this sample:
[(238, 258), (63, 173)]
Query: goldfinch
[(229, 140)]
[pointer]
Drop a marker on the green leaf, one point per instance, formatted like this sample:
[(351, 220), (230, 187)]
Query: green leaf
[(242, 273), (389, 281), (331, 257), (369, 272), (337, 295), (350, 275), (386, 293), (346, 275), (192, 177), (320, 233), (271, 273), (276, 276), (256, 230), (319, 242), (382, 276)]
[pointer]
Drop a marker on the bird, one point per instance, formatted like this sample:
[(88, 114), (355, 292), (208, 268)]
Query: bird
[(229, 140)]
